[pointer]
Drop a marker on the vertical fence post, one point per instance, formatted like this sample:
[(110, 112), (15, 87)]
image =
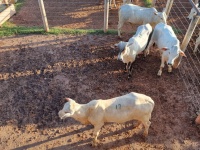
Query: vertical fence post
[(153, 3), (168, 7), (44, 16), (187, 38), (106, 14)]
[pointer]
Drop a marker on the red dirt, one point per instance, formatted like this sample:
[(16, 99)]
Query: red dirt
[(38, 71)]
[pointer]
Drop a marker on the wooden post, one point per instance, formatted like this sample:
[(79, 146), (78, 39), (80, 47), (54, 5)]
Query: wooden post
[(153, 3), (44, 17), (196, 1), (106, 14), (187, 38), (168, 7)]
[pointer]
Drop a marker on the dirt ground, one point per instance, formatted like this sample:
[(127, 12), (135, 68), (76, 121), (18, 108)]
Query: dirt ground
[(38, 71)]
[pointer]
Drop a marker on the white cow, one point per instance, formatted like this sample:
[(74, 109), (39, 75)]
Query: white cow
[(132, 106), (136, 44), (193, 13), (197, 43), (139, 15), (168, 44)]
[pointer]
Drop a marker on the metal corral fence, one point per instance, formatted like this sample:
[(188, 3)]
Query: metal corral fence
[(189, 68)]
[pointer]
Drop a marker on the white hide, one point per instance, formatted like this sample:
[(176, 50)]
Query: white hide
[(164, 37), (197, 44), (139, 15), (193, 12), (132, 106), (136, 44)]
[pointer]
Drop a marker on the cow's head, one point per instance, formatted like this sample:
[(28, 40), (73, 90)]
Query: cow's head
[(193, 13), (121, 45), (68, 109), (161, 17), (173, 53)]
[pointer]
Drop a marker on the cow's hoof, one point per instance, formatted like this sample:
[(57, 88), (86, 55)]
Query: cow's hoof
[(159, 73), (94, 144), (145, 137), (119, 37), (129, 76), (146, 52)]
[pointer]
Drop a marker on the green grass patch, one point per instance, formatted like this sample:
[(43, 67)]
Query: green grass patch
[(148, 3), (79, 31), (9, 29), (19, 5)]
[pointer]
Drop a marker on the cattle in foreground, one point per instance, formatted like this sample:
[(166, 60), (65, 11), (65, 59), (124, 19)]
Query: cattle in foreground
[(132, 106), (164, 37), (139, 15), (128, 51)]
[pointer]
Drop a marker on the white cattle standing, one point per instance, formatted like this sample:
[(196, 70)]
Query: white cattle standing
[(139, 15), (168, 44), (132, 106), (136, 44)]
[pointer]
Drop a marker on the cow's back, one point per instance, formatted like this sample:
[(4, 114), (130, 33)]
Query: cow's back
[(142, 36), (164, 36), (124, 108)]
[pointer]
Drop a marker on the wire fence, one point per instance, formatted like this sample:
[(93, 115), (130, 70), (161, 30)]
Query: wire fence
[(189, 69), (75, 14)]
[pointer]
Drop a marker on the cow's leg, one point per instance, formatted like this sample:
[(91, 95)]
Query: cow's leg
[(130, 69), (97, 128), (197, 44), (110, 4), (146, 51), (120, 24), (114, 3), (169, 68), (145, 121), (146, 128), (127, 66), (161, 66)]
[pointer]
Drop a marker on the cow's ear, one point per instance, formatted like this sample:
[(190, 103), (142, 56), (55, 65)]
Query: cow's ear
[(116, 44), (68, 99), (182, 53), (155, 13), (164, 48)]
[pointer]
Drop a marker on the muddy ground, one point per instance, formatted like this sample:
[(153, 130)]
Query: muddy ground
[(38, 71)]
